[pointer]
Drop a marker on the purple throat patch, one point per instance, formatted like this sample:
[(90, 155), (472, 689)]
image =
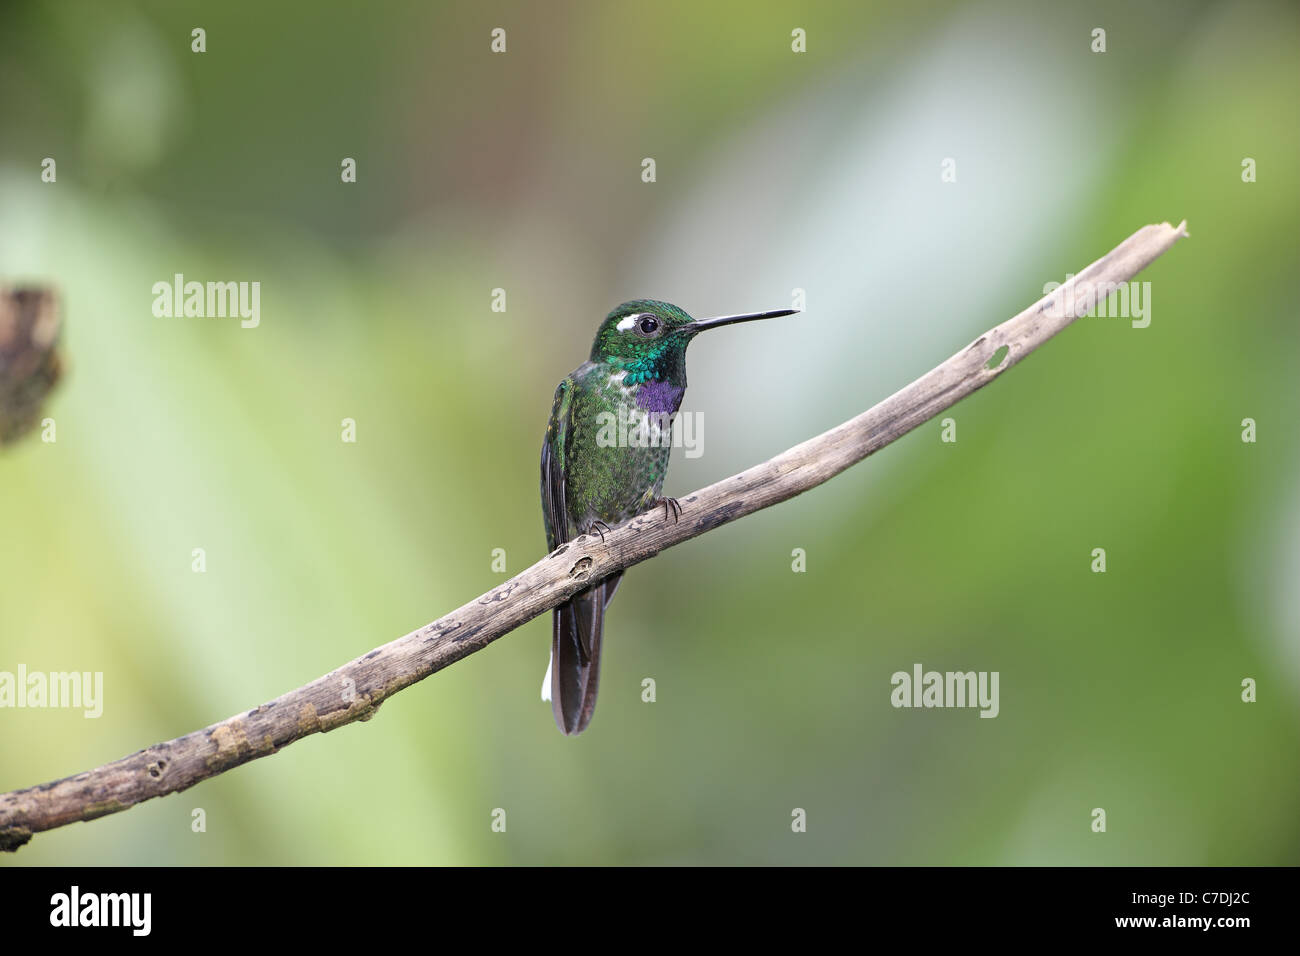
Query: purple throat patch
[(655, 396)]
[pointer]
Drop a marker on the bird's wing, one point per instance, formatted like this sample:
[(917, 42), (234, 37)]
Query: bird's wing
[(573, 674), (554, 505)]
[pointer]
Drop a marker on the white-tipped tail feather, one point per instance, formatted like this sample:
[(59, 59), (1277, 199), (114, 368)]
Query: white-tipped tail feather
[(546, 681)]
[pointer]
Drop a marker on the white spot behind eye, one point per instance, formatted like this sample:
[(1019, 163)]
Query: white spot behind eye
[(627, 322)]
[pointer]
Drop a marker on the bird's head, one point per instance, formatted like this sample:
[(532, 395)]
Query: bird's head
[(647, 338)]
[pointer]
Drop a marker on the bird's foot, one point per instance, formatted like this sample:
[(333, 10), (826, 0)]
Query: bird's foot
[(672, 507), (597, 527)]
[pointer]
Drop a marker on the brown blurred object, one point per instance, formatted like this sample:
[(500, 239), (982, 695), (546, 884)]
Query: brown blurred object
[(29, 360)]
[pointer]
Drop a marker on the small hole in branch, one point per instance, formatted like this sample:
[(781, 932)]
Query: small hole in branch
[(998, 358)]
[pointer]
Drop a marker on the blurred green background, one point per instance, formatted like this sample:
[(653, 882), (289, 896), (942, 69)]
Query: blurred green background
[(775, 171)]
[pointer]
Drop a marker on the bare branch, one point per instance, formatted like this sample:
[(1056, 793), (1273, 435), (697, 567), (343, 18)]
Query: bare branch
[(355, 690)]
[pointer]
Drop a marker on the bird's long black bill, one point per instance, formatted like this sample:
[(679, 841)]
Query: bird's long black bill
[(699, 325)]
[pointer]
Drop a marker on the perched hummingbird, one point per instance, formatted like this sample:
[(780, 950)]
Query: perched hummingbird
[(593, 478)]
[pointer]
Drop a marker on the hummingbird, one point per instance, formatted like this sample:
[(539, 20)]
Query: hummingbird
[(604, 460)]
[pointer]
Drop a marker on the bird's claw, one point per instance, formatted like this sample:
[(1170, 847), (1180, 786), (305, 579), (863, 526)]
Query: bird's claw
[(596, 527), (673, 505)]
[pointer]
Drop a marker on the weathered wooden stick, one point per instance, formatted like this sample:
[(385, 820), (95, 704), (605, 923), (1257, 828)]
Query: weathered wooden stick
[(355, 690)]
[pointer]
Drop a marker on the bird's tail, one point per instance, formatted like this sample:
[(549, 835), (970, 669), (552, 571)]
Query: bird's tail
[(574, 671)]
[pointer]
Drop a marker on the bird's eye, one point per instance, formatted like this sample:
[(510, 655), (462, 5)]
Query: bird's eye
[(648, 325)]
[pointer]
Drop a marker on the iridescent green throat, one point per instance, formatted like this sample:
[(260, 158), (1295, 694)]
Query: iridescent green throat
[(639, 371)]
